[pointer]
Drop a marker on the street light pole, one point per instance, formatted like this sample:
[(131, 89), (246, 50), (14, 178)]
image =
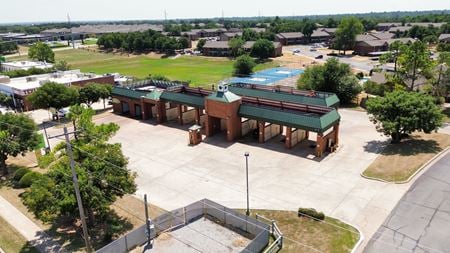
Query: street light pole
[(246, 173)]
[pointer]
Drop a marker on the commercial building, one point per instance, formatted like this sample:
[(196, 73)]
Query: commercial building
[(22, 38), (237, 111), (221, 48), (24, 65), (22, 87)]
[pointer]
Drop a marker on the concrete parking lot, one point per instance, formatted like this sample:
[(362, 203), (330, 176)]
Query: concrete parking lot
[(174, 174)]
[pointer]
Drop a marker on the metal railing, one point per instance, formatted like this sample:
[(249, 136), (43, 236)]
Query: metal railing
[(277, 244)]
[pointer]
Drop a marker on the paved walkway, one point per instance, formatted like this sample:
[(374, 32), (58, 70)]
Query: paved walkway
[(421, 220), (27, 228)]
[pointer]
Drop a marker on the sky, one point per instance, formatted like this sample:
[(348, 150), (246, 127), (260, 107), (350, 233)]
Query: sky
[(13, 11)]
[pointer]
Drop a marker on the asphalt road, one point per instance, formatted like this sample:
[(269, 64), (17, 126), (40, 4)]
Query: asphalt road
[(421, 220)]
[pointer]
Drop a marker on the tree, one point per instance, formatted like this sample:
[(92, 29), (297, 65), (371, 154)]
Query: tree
[(102, 174), (400, 113), (250, 35), (105, 93), (236, 45), (18, 134), (333, 77), (415, 61), (41, 52), (263, 49), (75, 114), (244, 65), (53, 95), (346, 33), (395, 50), (91, 93), (308, 29), (6, 100), (62, 66), (200, 44)]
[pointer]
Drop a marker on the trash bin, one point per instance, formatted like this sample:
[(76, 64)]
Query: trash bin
[(195, 135)]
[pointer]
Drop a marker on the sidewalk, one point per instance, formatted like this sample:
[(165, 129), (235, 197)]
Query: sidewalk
[(34, 234)]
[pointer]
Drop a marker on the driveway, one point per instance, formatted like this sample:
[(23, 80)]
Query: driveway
[(174, 174), (421, 220)]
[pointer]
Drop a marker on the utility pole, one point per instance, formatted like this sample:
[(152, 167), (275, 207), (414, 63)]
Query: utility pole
[(71, 33), (165, 16), (77, 190)]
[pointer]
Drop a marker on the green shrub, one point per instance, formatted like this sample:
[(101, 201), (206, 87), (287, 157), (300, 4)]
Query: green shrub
[(310, 213), (360, 75), (20, 173), (374, 88), (29, 178)]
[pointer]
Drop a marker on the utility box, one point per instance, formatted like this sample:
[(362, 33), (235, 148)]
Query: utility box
[(195, 135)]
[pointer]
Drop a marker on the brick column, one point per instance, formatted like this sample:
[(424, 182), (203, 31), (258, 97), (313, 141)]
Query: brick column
[(288, 141), (160, 112), (209, 127), (306, 135), (197, 116), (336, 134), (180, 114), (144, 110), (320, 145), (261, 125)]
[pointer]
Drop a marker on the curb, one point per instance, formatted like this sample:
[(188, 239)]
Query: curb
[(359, 242), (414, 174)]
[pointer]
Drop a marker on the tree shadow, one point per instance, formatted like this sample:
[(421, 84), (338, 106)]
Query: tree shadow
[(69, 233), (408, 147)]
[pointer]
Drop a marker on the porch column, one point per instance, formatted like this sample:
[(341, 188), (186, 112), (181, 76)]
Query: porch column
[(197, 116), (209, 127), (336, 134), (288, 141), (144, 110), (160, 112), (180, 114), (261, 130), (320, 145), (306, 135)]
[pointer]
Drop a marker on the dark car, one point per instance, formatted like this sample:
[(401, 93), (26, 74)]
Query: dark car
[(319, 57)]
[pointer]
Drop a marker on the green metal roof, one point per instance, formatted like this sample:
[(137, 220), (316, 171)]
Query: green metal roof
[(181, 98), (305, 121), (321, 99), (225, 97), (124, 92), (154, 95)]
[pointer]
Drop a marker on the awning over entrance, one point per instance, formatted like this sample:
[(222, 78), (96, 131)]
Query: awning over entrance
[(306, 121)]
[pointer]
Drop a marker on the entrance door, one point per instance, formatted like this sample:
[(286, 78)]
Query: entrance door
[(125, 108), (137, 111)]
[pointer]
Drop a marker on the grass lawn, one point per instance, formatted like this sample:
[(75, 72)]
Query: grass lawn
[(397, 162), (12, 241), (90, 41), (201, 71), (315, 234)]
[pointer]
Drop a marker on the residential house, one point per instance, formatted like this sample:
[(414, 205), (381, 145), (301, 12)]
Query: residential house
[(221, 48)]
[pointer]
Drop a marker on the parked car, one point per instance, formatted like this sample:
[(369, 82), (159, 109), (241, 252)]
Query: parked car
[(312, 49), (61, 113), (296, 51), (319, 57)]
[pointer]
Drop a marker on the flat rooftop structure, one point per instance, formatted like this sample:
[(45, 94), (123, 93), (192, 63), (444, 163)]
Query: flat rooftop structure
[(25, 85), (25, 65)]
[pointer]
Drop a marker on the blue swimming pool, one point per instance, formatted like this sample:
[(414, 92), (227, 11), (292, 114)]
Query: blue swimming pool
[(267, 76)]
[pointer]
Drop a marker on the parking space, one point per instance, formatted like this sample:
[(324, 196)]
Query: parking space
[(174, 174)]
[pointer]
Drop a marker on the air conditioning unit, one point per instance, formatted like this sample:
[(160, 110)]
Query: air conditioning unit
[(222, 88)]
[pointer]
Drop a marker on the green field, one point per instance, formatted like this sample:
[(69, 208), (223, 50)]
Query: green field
[(201, 71)]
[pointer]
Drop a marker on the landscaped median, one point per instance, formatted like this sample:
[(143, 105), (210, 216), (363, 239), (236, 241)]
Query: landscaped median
[(397, 163), (305, 234)]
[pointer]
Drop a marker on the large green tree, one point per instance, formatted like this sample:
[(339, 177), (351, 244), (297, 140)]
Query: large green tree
[(414, 62), (18, 134), (263, 49), (308, 29), (400, 113), (346, 33), (102, 173), (334, 77), (236, 45), (395, 50), (53, 95), (92, 93), (41, 52), (244, 65)]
